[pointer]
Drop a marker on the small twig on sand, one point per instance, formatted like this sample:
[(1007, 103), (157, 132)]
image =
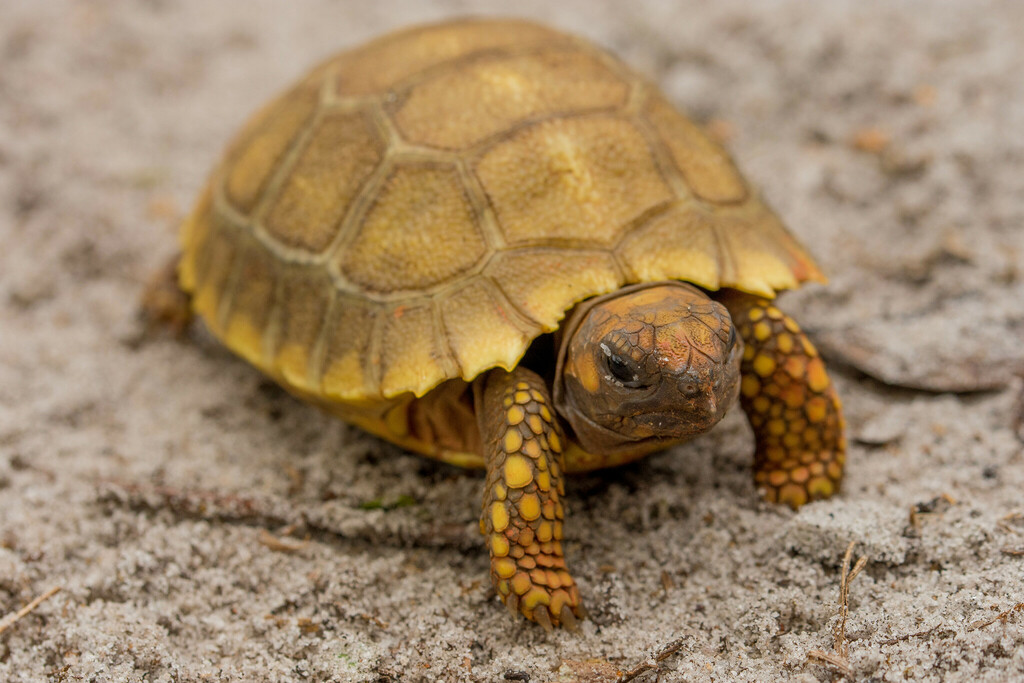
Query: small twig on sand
[(278, 544), (1002, 616), (839, 660), (663, 654), (846, 578), (908, 636), (840, 664), (10, 619)]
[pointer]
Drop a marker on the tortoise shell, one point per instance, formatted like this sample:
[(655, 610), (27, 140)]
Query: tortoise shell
[(421, 208)]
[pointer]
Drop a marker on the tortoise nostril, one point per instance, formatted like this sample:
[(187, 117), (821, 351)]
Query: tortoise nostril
[(690, 389)]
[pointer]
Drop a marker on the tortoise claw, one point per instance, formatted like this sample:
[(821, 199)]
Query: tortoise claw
[(568, 619), (543, 618), (512, 603)]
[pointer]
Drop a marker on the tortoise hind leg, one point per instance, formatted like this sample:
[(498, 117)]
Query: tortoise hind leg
[(164, 304), (522, 506), (791, 404)]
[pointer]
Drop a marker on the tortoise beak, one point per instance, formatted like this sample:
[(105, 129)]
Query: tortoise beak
[(688, 407)]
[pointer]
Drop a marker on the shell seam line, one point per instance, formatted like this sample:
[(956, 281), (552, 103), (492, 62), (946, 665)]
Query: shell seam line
[(318, 356), (449, 363), (271, 332), (372, 360)]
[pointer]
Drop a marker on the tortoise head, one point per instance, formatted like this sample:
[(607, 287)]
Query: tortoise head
[(646, 367)]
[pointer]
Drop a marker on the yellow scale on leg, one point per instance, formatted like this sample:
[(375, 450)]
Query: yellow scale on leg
[(522, 510)]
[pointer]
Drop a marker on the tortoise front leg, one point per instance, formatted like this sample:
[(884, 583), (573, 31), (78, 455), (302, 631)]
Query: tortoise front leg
[(791, 404), (522, 507)]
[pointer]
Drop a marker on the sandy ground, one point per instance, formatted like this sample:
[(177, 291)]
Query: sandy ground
[(157, 485)]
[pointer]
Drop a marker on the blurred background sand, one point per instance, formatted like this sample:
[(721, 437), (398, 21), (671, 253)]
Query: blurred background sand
[(169, 490)]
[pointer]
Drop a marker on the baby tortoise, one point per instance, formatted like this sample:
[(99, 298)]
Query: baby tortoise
[(495, 245)]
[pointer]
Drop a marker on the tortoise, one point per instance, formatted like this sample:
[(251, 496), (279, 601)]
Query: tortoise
[(494, 244)]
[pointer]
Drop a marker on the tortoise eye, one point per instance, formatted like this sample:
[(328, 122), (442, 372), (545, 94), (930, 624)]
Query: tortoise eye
[(732, 339), (621, 368)]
